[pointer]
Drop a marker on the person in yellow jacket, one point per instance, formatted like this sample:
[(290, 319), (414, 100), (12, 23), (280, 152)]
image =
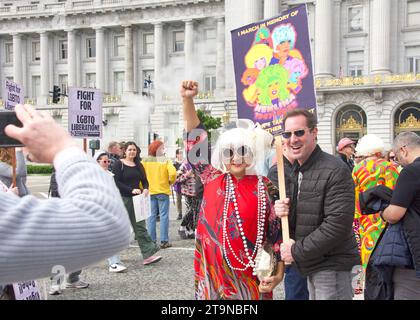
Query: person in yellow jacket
[(161, 173)]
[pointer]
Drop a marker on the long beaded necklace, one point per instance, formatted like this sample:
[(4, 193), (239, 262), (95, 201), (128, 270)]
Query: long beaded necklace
[(230, 195)]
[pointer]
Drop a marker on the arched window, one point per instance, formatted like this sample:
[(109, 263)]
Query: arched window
[(407, 118), (351, 123)]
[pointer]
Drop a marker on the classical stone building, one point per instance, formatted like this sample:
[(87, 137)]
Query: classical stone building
[(366, 59)]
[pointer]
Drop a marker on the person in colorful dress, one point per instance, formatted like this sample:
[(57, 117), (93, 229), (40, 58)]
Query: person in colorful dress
[(372, 171), (236, 217), (187, 180)]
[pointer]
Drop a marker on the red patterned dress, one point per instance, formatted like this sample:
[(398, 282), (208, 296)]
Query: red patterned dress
[(214, 279)]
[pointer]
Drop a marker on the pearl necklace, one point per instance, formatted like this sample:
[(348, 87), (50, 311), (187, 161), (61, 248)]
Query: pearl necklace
[(230, 195)]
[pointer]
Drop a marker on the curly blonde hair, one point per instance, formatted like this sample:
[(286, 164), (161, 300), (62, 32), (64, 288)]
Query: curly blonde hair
[(6, 155)]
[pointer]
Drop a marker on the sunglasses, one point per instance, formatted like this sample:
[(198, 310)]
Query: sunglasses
[(297, 133), (106, 161), (242, 151)]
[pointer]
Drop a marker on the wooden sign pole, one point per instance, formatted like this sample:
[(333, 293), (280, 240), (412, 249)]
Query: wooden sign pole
[(85, 145), (13, 167), (282, 186)]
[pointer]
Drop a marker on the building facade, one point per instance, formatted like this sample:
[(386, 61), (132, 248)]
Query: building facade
[(366, 57)]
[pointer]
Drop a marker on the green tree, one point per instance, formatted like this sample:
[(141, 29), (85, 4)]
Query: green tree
[(210, 123)]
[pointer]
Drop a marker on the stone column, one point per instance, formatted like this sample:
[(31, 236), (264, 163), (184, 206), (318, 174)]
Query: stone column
[(158, 58), (128, 79), (253, 10), (271, 8), (71, 57), (45, 73), (100, 58), (188, 48), (220, 56), (17, 59), (323, 38), (380, 36)]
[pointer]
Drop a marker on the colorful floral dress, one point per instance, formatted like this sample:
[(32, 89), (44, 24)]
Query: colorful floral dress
[(214, 278), (367, 174)]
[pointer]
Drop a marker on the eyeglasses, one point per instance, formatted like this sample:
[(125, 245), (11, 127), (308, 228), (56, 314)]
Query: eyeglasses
[(297, 133), (242, 151)]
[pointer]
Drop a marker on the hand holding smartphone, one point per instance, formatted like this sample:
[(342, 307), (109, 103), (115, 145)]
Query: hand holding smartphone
[(6, 118)]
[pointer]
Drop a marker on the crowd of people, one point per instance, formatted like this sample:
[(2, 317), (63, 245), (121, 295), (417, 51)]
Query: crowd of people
[(340, 209)]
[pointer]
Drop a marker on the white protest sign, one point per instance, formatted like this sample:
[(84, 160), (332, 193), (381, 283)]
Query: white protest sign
[(26, 290), (85, 112), (141, 205), (13, 93)]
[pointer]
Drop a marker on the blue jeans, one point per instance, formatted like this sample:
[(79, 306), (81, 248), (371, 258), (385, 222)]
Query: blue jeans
[(159, 204), (295, 285)]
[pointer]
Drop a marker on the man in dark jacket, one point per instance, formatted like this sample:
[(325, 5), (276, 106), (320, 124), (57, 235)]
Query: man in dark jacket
[(324, 248), (405, 207)]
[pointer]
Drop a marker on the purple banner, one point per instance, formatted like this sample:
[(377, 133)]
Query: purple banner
[(273, 68)]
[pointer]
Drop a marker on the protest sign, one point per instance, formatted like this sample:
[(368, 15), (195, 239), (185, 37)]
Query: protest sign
[(142, 207), (273, 68), (85, 112), (27, 290), (13, 95)]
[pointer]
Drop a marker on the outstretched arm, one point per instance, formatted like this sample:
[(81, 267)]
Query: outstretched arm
[(189, 90)]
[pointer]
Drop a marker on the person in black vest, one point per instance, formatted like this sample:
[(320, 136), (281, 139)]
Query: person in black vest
[(405, 207)]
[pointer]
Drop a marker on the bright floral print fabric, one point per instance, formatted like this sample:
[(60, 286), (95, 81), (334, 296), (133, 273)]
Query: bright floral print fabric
[(367, 174), (214, 279)]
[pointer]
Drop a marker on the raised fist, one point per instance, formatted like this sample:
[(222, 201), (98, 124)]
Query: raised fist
[(189, 89)]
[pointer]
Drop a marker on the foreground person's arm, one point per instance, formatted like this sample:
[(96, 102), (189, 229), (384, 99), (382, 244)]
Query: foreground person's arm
[(89, 223)]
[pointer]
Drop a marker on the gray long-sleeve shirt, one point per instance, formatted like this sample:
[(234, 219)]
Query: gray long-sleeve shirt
[(6, 174), (89, 223)]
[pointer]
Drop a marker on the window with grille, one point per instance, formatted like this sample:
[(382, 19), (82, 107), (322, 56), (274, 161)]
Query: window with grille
[(62, 44), (36, 86), (36, 51), (91, 48), (91, 80), (413, 12), (355, 63), (413, 59), (118, 83), (178, 41), (148, 43), (9, 52), (119, 43)]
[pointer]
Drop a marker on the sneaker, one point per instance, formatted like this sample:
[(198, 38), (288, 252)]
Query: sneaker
[(165, 244), (55, 289), (151, 260), (77, 285), (116, 267)]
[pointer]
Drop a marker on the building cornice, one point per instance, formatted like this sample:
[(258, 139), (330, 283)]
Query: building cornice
[(135, 13)]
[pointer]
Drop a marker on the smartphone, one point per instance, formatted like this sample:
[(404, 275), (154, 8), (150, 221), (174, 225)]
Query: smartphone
[(8, 117)]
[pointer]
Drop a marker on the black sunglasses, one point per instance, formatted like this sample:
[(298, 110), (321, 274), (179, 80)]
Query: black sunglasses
[(297, 133), (242, 151)]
